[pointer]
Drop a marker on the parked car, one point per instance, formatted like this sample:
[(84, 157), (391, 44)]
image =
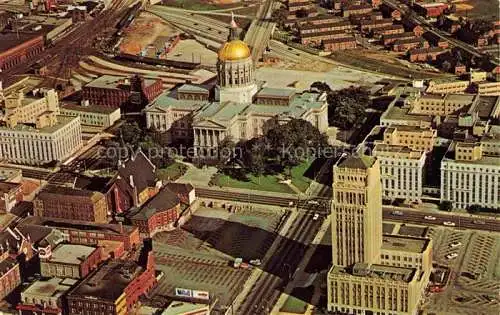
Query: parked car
[(479, 222), (255, 262), (430, 217), (316, 216), (397, 212), (237, 262), (313, 202), (449, 223), (455, 244), (452, 256)]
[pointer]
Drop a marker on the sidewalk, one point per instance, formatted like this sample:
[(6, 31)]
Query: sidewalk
[(257, 272), (300, 269)]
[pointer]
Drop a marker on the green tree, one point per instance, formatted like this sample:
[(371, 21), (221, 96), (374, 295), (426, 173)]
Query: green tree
[(446, 205), (130, 133), (280, 16), (346, 108)]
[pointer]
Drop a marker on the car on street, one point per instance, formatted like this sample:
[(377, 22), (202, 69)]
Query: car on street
[(313, 202), (316, 216), (397, 212), (255, 262), (430, 217), (455, 244), (449, 223), (479, 222), (452, 256)]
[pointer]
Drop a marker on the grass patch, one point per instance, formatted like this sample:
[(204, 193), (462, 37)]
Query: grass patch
[(263, 182), (197, 5), (299, 178), (172, 172), (294, 305)]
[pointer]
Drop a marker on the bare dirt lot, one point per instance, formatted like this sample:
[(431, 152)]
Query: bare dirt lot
[(484, 9)]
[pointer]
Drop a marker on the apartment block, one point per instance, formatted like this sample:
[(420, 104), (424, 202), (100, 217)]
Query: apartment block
[(415, 138), (69, 203), (401, 171), (470, 177), (70, 261)]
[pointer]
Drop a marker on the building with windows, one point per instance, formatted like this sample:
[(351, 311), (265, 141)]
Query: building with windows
[(45, 297), (10, 276), (401, 171), (10, 195), (415, 138), (371, 273), (470, 177), (32, 131), (92, 115), (70, 261), (73, 204), (240, 106), (114, 288)]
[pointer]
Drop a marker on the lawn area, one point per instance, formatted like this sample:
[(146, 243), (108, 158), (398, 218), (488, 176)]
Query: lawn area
[(198, 5), (294, 305), (172, 172), (264, 182), (298, 176)]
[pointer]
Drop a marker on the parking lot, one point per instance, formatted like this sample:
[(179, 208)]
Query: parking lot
[(200, 255), (473, 261)]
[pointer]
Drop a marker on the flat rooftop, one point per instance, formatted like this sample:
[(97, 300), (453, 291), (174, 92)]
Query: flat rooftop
[(115, 82), (109, 281), (6, 187), (71, 253), (404, 243), (89, 109), (62, 121), (178, 307), (11, 40), (400, 274), (53, 287)]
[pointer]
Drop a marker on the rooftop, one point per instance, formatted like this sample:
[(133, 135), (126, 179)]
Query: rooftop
[(405, 243), (109, 281), (11, 40), (360, 162), (50, 190), (399, 274), (177, 307), (165, 199), (62, 121), (71, 253), (275, 92), (89, 109), (115, 82), (53, 287), (6, 187)]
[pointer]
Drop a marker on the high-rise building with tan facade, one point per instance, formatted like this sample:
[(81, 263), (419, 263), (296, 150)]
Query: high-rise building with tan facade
[(372, 273), (356, 218)]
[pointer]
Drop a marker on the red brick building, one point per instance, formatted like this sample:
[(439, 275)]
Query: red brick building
[(73, 204), (87, 233), (123, 92), (388, 30), (435, 40), (325, 27), (10, 195), (430, 9), (10, 276), (411, 26), (425, 54), (317, 38), (356, 9), (340, 44), (158, 214), (391, 38), (115, 288), (369, 25), (14, 50), (403, 45), (70, 261)]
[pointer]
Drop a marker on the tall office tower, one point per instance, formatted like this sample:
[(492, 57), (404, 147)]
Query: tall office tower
[(356, 211)]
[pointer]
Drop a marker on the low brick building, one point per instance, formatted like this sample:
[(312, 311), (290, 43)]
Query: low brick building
[(16, 49), (369, 25), (425, 54), (435, 40), (411, 26), (317, 38), (87, 233), (70, 261), (340, 44), (10, 195), (356, 9), (10, 276), (325, 27), (114, 288), (158, 214), (45, 296), (73, 204), (391, 38), (127, 93), (430, 9), (403, 45), (389, 30)]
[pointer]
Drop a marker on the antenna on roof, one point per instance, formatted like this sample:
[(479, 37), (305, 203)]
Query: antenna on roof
[(233, 23)]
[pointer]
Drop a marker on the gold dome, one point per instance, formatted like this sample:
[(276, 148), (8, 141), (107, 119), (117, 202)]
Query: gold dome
[(234, 50)]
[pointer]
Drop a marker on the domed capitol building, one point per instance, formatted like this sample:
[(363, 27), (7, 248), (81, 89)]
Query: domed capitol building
[(237, 106)]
